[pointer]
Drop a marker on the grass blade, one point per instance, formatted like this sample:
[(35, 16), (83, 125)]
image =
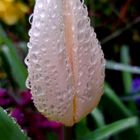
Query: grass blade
[(111, 129), (109, 93), (127, 77), (98, 117), (81, 128), (8, 51), (17, 70)]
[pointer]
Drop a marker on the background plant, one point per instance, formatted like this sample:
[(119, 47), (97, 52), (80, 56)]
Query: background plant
[(117, 116)]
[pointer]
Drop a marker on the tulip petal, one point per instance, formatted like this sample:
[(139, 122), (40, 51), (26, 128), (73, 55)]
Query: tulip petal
[(65, 61)]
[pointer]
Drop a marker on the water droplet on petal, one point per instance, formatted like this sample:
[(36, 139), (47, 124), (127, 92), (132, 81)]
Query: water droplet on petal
[(31, 19)]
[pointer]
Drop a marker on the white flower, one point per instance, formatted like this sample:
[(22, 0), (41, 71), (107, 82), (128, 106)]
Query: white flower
[(65, 61)]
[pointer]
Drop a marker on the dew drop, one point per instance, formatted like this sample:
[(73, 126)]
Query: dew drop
[(42, 15), (55, 6), (26, 60), (40, 5), (81, 73), (52, 106), (82, 2), (39, 89), (103, 61), (29, 45), (37, 24), (80, 24), (38, 67), (81, 36), (53, 16), (34, 58), (93, 58), (54, 27), (36, 33), (28, 84), (87, 33), (31, 19), (79, 83), (40, 108), (30, 32)]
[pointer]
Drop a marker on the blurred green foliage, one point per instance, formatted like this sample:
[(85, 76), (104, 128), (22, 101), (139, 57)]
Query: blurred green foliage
[(117, 26)]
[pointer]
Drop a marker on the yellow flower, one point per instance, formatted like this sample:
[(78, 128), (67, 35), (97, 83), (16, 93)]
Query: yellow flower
[(11, 11)]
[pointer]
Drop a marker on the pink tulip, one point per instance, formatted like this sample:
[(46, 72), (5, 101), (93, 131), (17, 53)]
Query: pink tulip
[(65, 61)]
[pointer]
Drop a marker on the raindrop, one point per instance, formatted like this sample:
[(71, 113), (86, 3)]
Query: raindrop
[(40, 108), (93, 58), (87, 33), (38, 67), (26, 60), (52, 106), (55, 7), (81, 73), (39, 89), (54, 27), (40, 5), (37, 24), (29, 45), (82, 1), (42, 15), (79, 83), (53, 15), (34, 56), (30, 32), (31, 19), (88, 85), (81, 36), (103, 61), (80, 24), (36, 33), (91, 69), (28, 84)]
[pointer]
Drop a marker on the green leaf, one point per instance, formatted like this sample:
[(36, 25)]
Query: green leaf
[(9, 130), (81, 128), (127, 77), (17, 70), (109, 93), (8, 51), (98, 117), (52, 136), (111, 129)]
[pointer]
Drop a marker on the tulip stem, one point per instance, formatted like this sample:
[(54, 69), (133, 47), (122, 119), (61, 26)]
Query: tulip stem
[(67, 133)]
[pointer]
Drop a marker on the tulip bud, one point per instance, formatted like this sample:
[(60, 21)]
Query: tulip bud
[(65, 61)]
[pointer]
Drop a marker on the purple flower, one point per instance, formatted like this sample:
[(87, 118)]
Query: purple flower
[(41, 122), (18, 115), (135, 89), (2, 92), (25, 98), (5, 99), (24, 112), (136, 85)]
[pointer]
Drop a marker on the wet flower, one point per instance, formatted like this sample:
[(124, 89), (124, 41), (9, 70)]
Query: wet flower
[(11, 11), (65, 61)]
